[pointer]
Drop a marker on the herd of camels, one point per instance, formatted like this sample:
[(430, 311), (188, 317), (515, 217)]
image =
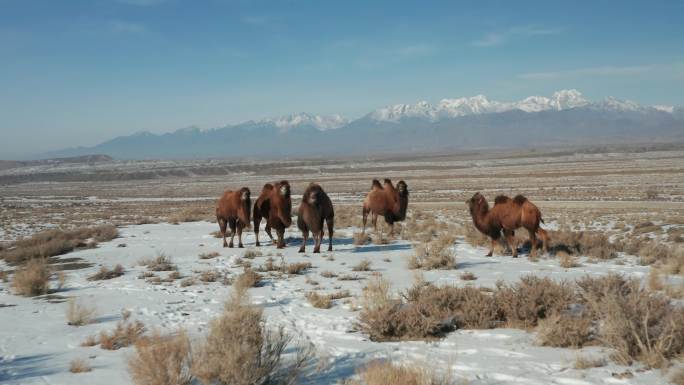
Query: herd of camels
[(274, 204)]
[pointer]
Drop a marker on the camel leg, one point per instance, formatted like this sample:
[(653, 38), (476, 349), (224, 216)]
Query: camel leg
[(222, 229), (317, 241), (510, 239), (268, 232), (232, 225), (305, 237), (374, 221), (257, 222), (545, 239), (331, 224), (491, 249), (281, 237), (533, 240), (239, 234), (365, 218)]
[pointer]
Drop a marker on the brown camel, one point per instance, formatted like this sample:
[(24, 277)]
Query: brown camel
[(387, 201), (232, 209), (274, 204), (316, 207), (507, 215)]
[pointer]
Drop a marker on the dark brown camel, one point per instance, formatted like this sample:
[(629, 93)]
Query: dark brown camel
[(233, 210), (507, 215), (387, 201), (274, 204), (315, 208)]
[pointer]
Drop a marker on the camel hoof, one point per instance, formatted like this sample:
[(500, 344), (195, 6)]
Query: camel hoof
[(241, 246), (301, 249), (257, 244), (317, 251), (330, 248), (230, 245), (488, 255)]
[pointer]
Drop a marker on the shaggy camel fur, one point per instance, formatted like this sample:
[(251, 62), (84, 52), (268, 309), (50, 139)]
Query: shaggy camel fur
[(387, 201), (274, 204), (507, 215), (315, 208), (232, 209)]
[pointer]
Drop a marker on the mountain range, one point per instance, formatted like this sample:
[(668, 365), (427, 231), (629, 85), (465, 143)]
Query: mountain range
[(564, 118)]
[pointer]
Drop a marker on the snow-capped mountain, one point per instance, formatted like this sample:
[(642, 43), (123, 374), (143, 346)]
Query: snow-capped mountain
[(564, 118), (285, 123), (479, 104)]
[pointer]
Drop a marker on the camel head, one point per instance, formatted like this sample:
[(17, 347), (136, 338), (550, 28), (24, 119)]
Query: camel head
[(245, 205), (313, 194), (284, 188), (477, 204), (402, 188), (285, 206)]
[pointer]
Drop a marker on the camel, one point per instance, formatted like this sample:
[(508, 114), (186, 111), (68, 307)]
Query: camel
[(315, 208), (507, 215), (275, 205), (387, 201), (233, 209)]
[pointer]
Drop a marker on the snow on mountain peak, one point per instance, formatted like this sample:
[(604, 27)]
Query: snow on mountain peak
[(295, 120)]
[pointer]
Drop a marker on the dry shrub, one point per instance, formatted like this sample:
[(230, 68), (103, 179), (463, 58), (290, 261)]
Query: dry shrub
[(188, 282), (677, 378), (210, 255), (361, 239), (474, 236), (435, 254), (209, 275), (90, 341), (106, 273), (33, 278), (241, 350), (124, 335), (566, 260), (383, 372), (328, 274), (79, 314), (582, 362), (162, 360), (79, 365), (362, 266), (565, 330), (587, 243), (160, 263), (190, 214), (249, 278), (56, 242), (252, 253), (532, 298), (468, 276), (296, 268), (319, 301), (347, 216), (379, 239), (638, 324)]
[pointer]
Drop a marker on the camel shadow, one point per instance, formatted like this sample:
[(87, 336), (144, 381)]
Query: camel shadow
[(378, 248), (339, 367), (25, 367), (465, 265)]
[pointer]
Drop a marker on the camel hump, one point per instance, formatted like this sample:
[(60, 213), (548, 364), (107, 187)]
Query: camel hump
[(500, 199), (376, 184), (388, 181), (519, 199), (267, 187)]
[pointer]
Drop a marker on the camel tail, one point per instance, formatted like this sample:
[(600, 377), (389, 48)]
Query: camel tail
[(376, 184)]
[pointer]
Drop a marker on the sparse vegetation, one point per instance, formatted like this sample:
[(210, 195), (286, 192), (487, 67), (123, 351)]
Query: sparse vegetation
[(210, 255), (252, 253), (107, 273), (249, 278), (79, 365), (78, 314), (362, 266), (124, 334), (56, 242), (360, 239), (161, 262), (384, 372), (33, 278), (162, 360), (583, 362), (468, 276), (434, 254)]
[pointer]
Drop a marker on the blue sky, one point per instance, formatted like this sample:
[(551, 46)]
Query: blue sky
[(79, 72)]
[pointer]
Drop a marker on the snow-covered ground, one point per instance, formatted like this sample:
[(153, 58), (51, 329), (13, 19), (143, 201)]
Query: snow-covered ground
[(36, 344)]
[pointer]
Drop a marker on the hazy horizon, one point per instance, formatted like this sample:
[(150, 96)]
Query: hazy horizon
[(82, 72)]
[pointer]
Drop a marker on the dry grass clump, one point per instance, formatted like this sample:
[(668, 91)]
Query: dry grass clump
[(328, 274), (162, 360), (435, 254), (566, 260), (325, 301), (379, 238), (383, 372), (583, 362), (296, 268), (210, 255), (241, 350), (364, 265), (79, 365), (249, 278), (190, 214), (90, 341), (361, 239), (532, 298), (106, 273), (468, 276), (56, 242), (252, 253), (79, 314), (640, 325), (125, 334), (588, 243), (677, 378), (188, 282), (33, 278), (161, 262), (565, 330), (209, 276)]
